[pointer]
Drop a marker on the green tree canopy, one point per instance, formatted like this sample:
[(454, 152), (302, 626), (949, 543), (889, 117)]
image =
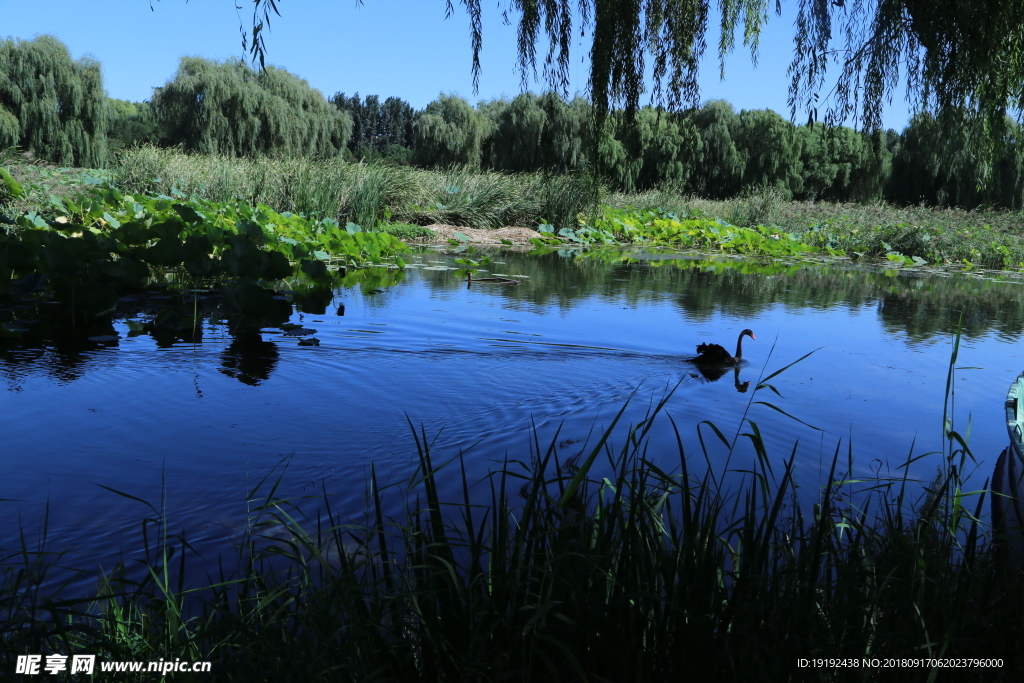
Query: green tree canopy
[(229, 108), (770, 149), (723, 163), (967, 57), (379, 130), (518, 131), (450, 131), (51, 105), (130, 123)]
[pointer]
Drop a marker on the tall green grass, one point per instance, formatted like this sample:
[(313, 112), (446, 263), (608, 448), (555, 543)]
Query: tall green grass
[(377, 196), (616, 564), (366, 194)]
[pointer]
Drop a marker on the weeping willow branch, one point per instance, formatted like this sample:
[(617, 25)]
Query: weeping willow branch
[(964, 60)]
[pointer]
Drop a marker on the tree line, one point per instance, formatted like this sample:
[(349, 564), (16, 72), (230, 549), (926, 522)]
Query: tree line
[(56, 108)]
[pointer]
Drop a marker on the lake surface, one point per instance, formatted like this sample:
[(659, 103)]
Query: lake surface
[(479, 367)]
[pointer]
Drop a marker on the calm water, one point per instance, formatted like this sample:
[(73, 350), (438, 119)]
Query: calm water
[(477, 367)]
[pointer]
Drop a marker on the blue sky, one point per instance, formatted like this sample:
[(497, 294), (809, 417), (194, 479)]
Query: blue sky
[(386, 47)]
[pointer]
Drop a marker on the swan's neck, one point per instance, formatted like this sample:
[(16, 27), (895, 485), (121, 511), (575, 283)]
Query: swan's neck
[(739, 347)]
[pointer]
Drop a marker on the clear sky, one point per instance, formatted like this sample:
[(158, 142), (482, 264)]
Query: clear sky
[(404, 48)]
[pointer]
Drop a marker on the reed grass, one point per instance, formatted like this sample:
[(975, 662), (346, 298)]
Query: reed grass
[(365, 194), (375, 195), (611, 565)]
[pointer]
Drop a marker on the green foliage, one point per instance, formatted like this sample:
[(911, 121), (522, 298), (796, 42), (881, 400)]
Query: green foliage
[(404, 231), (723, 162), (660, 228), (228, 108), (966, 65), (840, 164), (757, 206), (362, 193), (450, 132), (916, 245), (130, 124), (963, 60), (471, 266), (517, 139), (934, 163), (50, 105), (11, 188), (372, 195), (33, 185), (377, 129), (770, 148), (10, 129), (108, 242)]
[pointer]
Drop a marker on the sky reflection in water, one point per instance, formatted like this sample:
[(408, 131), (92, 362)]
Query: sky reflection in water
[(478, 368)]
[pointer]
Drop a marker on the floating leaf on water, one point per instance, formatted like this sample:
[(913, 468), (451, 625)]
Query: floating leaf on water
[(299, 332), (312, 341), (437, 268)]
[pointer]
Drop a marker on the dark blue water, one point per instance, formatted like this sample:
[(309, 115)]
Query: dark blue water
[(193, 427)]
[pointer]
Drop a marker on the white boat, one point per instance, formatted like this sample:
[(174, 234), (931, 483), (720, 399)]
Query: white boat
[(1008, 479)]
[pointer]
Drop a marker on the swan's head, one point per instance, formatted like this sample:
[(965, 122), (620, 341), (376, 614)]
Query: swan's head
[(748, 333)]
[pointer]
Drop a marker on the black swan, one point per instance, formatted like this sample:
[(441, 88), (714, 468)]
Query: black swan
[(713, 354)]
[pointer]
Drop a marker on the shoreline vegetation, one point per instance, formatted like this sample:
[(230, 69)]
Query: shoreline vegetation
[(613, 564), (565, 210)]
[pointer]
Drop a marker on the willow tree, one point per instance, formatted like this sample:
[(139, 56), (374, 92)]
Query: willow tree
[(130, 124), (721, 174), (450, 132), (516, 141), (230, 108), (770, 148), (661, 149), (967, 57), (672, 149), (562, 143), (51, 105), (537, 133), (930, 166)]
